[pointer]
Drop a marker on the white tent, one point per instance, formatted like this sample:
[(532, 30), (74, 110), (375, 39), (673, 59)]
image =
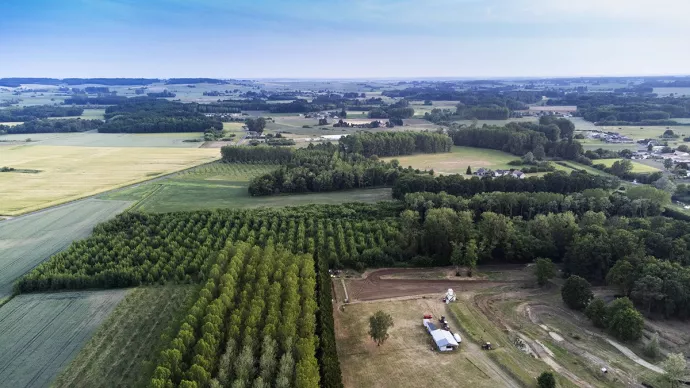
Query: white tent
[(444, 340)]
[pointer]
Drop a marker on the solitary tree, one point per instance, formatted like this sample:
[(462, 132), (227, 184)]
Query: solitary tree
[(469, 170), (668, 164), (626, 324), (576, 292), (456, 257), (546, 380), (528, 158), (674, 367), (545, 270), (379, 323), (651, 349)]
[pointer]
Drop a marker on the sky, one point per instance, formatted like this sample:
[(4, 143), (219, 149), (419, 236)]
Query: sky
[(343, 38)]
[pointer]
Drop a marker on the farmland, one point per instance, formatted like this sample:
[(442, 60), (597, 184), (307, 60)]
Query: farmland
[(94, 139), (500, 306), (28, 240), (637, 167), (407, 358), (224, 185), (121, 351), (456, 161), (69, 173), (41, 333)]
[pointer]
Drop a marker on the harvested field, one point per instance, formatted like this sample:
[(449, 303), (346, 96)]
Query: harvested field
[(123, 351), (70, 173), (406, 359), (41, 333), (95, 139), (456, 161), (28, 240)]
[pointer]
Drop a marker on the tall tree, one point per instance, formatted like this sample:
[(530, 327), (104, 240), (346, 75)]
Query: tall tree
[(675, 368), (379, 323), (576, 292), (544, 270)]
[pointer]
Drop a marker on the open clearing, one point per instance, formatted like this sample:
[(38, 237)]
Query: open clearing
[(456, 161), (121, 352), (224, 185), (406, 359), (95, 139), (530, 328), (69, 173), (28, 240), (637, 167), (42, 332)]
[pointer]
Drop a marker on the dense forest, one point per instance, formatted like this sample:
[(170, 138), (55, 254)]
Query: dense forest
[(29, 113), (614, 238), (51, 126), (324, 168), (145, 115), (521, 138), (396, 143)]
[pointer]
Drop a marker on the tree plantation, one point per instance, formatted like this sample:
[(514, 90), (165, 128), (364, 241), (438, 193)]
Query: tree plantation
[(253, 324)]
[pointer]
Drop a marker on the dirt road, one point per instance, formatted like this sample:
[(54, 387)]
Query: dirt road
[(374, 286)]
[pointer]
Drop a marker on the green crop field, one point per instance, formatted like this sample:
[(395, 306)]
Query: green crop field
[(120, 353), (221, 185), (637, 167), (456, 161), (69, 173), (28, 240), (41, 333)]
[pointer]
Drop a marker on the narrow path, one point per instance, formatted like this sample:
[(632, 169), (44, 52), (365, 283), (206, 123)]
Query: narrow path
[(631, 355)]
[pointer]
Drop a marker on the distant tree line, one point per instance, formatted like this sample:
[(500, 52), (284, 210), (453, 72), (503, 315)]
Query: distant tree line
[(396, 143), (528, 205), (177, 81), (29, 113), (554, 182), (145, 115), (163, 94), (51, 126), (625, 109), (16, 82), (397, 110)]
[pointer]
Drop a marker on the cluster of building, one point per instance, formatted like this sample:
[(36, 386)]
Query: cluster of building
[(610, 137), (485, 172)]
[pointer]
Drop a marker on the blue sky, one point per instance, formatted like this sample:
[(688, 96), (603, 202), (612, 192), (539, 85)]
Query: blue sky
[(343, 38)]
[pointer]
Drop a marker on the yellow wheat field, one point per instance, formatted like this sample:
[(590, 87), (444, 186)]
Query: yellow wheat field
[(69, 173)]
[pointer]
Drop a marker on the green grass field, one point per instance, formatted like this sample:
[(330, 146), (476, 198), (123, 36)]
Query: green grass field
[(221, 185), (28, 240), (456, 161), (122, 352), (41, 333), (637, 167), (69, 173)]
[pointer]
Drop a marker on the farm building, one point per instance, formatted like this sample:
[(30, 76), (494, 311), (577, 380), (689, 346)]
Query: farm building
[(444, 339)]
